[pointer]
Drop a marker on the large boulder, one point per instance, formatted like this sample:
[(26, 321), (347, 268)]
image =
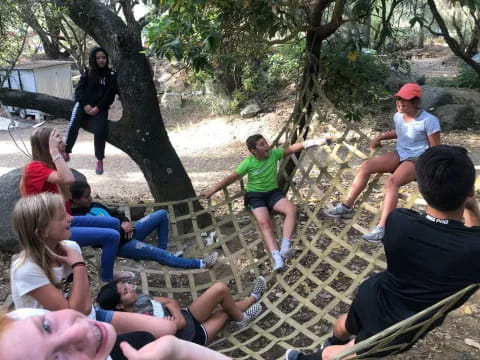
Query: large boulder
[(434, 96), (455, 116), (250, 110), (172, 100), (9, 195)]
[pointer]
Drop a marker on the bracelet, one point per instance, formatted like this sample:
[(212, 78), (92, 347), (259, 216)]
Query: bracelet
[(56, 157), (79, 263)]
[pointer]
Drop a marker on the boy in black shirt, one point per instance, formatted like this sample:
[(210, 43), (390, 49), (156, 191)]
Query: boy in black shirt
[(429, 256)]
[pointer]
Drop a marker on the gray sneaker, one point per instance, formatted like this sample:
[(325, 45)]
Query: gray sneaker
[(340, 211), (375, 236), (292, 354), (211, 259)]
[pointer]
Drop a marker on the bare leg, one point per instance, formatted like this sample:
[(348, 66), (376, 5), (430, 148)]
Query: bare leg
[(218, 294), (266, 227), (381, 164), (403, 174), (218, 320), (289, 209)]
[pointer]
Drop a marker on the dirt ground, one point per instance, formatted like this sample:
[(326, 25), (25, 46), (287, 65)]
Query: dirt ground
[(207, 161)]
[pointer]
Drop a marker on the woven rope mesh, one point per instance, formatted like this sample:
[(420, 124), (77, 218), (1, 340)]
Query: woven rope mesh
[(318, 284)]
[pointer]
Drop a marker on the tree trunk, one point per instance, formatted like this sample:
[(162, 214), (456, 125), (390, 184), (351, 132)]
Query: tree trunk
[(311, 71)]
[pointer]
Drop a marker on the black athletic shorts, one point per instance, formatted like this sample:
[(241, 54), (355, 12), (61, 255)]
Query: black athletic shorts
[(193, 330), (268, 199)]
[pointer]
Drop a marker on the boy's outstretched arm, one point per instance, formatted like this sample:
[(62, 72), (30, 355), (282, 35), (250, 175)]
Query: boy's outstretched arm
[(472, 212), (225, 182), (307, 144)]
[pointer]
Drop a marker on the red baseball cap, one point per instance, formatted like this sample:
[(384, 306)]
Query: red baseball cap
[(409, 91)]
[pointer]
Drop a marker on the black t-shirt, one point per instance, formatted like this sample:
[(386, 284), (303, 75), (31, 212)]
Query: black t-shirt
[(427, 261)]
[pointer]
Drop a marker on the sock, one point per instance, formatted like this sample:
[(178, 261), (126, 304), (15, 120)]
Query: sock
[(202, 265), (285, 245), (278, 261), (347, 207), (256, 296)]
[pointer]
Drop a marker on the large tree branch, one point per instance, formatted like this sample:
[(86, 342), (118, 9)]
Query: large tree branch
[(452, 43), (29, 100)]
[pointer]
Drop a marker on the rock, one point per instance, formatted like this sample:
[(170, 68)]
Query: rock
[(250, 110), (434, 96), (9, 183), (172, 100), (455, 116), (420, 79), (396, 79)]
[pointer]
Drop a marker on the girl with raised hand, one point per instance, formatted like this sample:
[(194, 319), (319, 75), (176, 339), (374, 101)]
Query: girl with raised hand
[(48, 172)]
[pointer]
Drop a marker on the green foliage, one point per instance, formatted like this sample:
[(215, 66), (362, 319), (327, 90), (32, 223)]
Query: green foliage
[(467, 78), (353, 80)]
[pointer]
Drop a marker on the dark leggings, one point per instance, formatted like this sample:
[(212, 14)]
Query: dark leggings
[(100, 129), (136, 339)]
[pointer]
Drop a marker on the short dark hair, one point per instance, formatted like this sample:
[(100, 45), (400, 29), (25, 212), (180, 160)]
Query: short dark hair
[(77, 189), (252, 141), (108, 297), (445, 176)]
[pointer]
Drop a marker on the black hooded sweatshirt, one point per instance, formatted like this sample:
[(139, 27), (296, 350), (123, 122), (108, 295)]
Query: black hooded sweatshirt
[(100, 93)]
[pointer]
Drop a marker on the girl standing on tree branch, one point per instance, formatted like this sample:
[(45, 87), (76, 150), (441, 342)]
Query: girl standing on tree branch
[(94, 94)]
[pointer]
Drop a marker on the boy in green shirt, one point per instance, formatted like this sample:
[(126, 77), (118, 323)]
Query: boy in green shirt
[(263, 194)]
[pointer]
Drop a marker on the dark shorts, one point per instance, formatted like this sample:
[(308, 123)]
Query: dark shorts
[(193, 330), (268, 199)]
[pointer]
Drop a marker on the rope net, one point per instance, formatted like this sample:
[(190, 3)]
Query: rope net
[(331, 261)]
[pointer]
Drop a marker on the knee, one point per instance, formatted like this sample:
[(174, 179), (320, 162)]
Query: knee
[(365, 167), (265, 224), (113, 237), (392, 183), (292, 210), (220, 288)]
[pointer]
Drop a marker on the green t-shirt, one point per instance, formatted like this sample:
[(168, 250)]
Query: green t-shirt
[(262, 174)]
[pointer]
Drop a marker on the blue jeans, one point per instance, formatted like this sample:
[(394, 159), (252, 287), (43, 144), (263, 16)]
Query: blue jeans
[(136, 249), (98, 231)]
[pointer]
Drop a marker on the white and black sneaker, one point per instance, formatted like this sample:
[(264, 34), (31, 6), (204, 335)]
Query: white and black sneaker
[(259, 287), (251, 313)]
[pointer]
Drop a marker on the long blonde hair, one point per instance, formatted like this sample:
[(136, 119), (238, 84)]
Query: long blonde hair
[(30, 215), (39, 142)]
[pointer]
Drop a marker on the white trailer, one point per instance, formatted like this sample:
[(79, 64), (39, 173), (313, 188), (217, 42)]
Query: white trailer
[(49, 77)]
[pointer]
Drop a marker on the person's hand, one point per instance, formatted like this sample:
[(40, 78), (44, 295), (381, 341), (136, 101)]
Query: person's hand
[(128, 228), (317, 142), (170, 318), (207, 194), (94, 111), (376, 142), (55, 143), (87, 109), (67, 255)]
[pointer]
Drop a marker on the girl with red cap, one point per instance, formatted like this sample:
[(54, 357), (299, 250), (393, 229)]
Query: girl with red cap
[(415, 130)]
